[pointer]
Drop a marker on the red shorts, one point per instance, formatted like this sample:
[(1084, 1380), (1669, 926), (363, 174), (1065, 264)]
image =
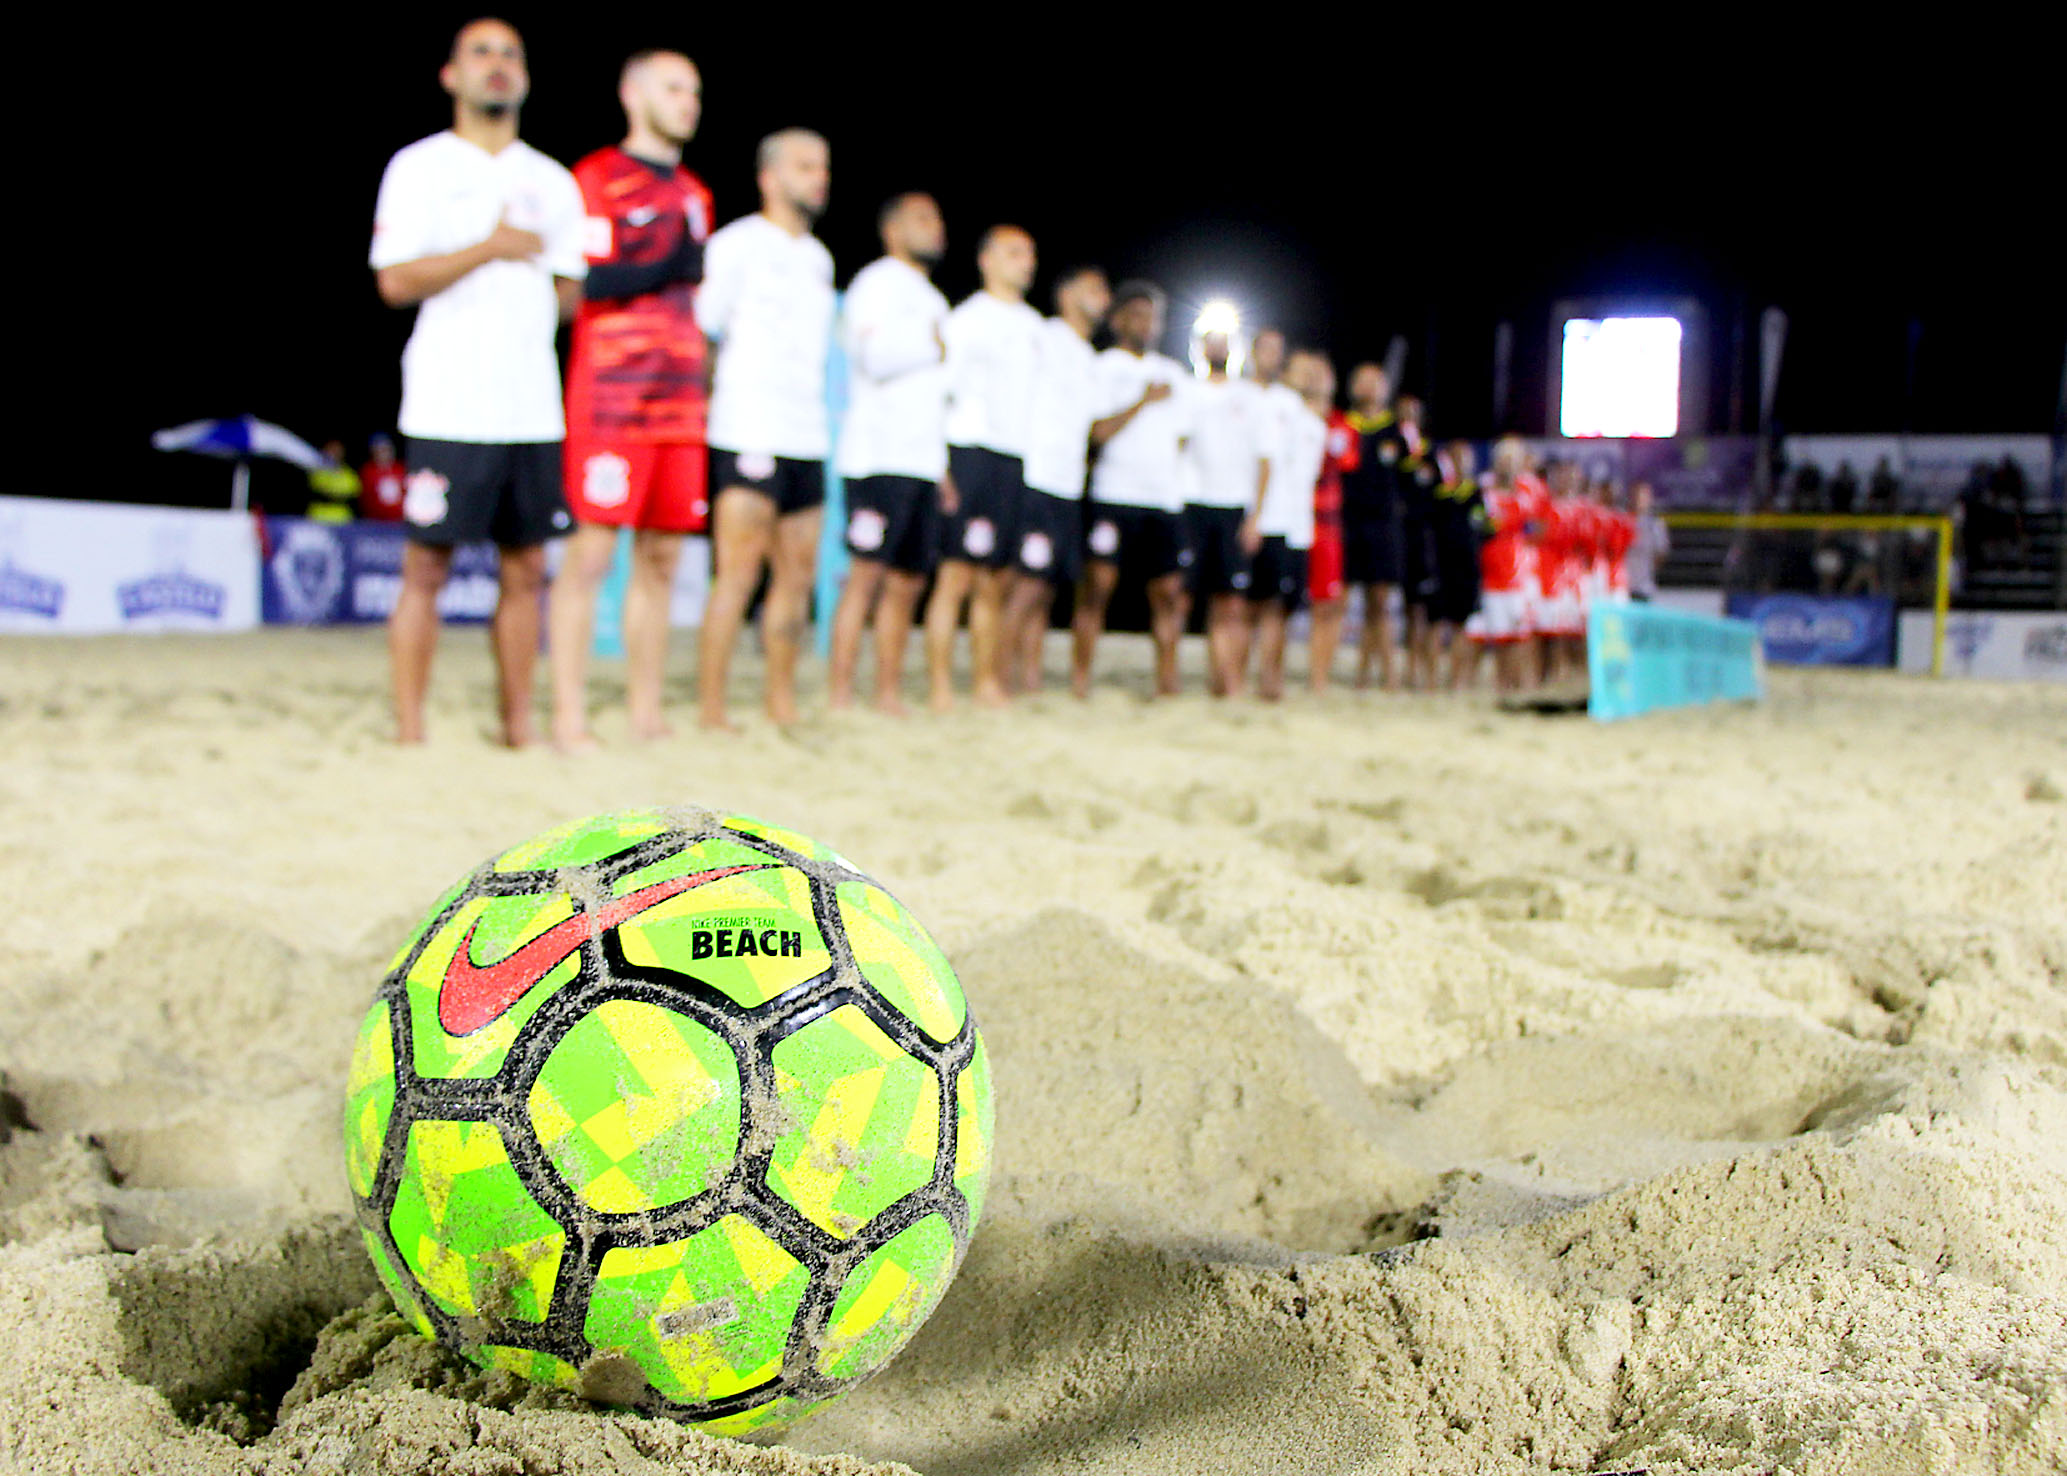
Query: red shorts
[(654, 485), (1324, 564)]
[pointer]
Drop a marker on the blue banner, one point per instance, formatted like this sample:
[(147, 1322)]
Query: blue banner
[(1821, 630), (1641, 658), (351, 573)]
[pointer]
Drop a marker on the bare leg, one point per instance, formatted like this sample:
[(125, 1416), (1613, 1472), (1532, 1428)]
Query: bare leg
[(1270, 650), (1327, 636), (951, 585), (1026, 623), (742, 539), (1167, 606), (1378, 632), (1421, 648), (1088, 623), (571, 620), (413, 634), (986, 636), (1227, 630), (1367, 639), (894, 610), (864, 579), (515, 634), (788, 609), (647, 600)]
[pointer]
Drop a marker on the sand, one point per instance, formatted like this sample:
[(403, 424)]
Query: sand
[(1384, 1085)]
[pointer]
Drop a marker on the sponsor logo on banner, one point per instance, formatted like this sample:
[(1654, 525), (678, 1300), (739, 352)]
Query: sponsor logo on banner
[(308, 570), (170, 593), (1821, 630), (32, 594), (2045, 647)]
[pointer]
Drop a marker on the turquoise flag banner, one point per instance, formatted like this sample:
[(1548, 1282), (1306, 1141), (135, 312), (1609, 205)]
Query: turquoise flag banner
[(1641, 658), (609, 637), (832, 535)]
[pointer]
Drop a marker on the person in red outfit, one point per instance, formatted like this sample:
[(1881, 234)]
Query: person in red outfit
[(1326, 587), (635, 454), (381, 482)]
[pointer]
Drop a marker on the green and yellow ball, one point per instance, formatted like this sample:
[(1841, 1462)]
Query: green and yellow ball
[(673, 1110)]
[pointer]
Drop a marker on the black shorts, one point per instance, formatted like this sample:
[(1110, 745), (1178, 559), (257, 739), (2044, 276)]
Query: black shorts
[(984, 527), (1455, 596), (891, 521), (1218, 564), (469, 491), (793, 486), (1371, 551), (1051, 538), (1147, 541), (1279, 574)]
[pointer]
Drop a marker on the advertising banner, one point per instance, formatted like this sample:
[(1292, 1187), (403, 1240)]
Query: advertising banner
[(351, 574), (1821, 630), (2003, 646), (1643, 658), (82, 568), (1717, 472)]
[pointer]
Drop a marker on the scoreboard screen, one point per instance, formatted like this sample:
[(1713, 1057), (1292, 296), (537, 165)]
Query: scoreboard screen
[(1620, 377)]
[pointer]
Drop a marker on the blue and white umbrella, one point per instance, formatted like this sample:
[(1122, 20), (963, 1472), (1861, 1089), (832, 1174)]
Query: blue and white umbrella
[(239, 439)]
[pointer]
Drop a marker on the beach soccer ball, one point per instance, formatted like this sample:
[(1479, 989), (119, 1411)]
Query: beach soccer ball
[(673, 1110)]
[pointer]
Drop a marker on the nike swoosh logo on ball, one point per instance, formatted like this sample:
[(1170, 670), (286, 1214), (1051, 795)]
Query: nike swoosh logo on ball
[(472, 996)]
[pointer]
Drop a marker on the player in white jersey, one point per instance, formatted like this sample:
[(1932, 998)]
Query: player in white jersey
[(1282, 526), (767, 305), (1050, 552), (483, 234), (1231, 456), (893, 443), (993, 339), (1135, 513)]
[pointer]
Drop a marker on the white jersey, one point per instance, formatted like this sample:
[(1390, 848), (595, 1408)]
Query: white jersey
[(1230, 439), (891, 328), (992, 349), (1295, 472), (767, 302), (1058, 448), (1141, 466), (480, 365)]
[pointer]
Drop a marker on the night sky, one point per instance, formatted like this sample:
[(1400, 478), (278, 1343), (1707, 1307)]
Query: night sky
[(1351, 184)]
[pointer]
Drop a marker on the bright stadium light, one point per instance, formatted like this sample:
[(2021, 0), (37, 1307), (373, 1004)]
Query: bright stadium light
[(1620, 377), (1218, 315)]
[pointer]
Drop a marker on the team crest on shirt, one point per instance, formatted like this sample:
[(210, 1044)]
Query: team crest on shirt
[(865, 529), (424, 497), (1036, 552), (606, 480), (1105, 539), (979, 538)]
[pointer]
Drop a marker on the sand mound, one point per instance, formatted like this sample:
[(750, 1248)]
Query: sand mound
[(1383, 1086)]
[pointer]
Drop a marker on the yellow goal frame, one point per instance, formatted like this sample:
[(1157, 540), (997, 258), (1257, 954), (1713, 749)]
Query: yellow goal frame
[(1941, 598)]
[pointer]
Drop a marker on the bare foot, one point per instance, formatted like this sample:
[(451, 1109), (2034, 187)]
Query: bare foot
[(892, 706), (648, 730), (1080, 684), (990, 694), (716, 722), (941, 701), (577, 742), (782, 711)]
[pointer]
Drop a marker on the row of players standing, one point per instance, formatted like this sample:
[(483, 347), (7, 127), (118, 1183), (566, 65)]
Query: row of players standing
[(965, 447)]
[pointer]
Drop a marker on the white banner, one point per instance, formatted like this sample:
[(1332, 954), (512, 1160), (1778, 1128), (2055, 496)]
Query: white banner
[(2010, 646), (89, 567)]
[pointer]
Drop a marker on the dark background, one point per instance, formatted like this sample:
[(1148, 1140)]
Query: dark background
[(1349, 181)]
